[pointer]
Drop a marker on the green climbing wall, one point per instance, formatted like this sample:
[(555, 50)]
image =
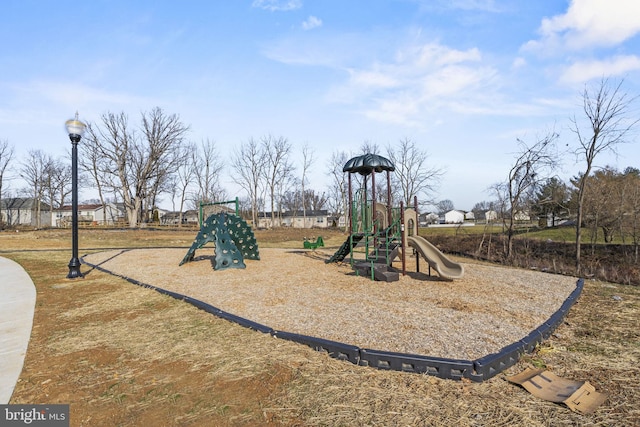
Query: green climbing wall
[(233, 238), (243, 237), (227, 253)]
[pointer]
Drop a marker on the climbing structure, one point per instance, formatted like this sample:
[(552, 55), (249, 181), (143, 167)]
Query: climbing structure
[(372, 225), (233, 239), (383, 232)]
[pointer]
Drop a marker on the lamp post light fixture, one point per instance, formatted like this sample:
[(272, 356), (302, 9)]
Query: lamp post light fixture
[(75, 129)]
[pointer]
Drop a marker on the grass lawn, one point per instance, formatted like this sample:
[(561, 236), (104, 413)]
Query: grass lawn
[(565, 234), (122, 355)]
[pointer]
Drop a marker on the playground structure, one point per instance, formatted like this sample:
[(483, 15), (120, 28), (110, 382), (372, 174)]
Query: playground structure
[(383, 231), (233, 239)]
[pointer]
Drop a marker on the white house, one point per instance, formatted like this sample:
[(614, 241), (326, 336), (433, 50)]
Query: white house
[(16, 211), (491, 216), (522, 216), (310, 219), (454, 217), (295, 219), (93, 214), (428, 218)]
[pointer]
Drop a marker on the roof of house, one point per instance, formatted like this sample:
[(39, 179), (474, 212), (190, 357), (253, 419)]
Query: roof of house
[(295, 214), (85, 207), (322, 212), (28, 203)]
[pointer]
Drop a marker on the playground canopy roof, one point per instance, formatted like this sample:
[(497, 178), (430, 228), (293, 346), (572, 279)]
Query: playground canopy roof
[(367, 164)]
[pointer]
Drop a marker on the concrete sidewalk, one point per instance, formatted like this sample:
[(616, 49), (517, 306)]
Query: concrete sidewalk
[(17, 304)]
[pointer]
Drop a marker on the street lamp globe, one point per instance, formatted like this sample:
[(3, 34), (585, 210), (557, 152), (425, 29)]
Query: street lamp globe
[(75, 128)]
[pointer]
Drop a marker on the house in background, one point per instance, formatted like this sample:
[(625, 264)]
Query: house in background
[(428, 218), (454, 217), (270, 220), (308, 219), (88, 214), (190, 217), (522, 216), (25, 211), (173, 218), (490, 216), (295, 219)]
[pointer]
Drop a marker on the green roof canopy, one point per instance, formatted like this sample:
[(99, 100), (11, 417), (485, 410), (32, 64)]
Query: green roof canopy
[(367, 164)]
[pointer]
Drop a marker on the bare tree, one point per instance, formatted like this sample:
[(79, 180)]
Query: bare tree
[(6, 157), (316, 201), (93, 163), (369, 147), (277, 166), (160, 156), (284, 186), (532, 167), (414, 175), (444, 206), (606, 124), (307, 162), (184, 176), (208, 167), (248, 163), (114, 141), (34, 171), (140, 166), (58, 182), (292, 200), (337, 198), (479, 209)]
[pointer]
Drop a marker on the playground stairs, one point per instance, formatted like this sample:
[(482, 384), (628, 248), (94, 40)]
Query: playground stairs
[(380, 271), (344, 250), (385, 253)]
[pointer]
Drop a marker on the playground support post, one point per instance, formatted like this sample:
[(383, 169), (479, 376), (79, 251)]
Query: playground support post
[(374, 211), (349, 208), (389, 201), (415, 207), (403, 243)]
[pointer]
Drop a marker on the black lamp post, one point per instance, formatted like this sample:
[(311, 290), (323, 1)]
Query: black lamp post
[(75, 128)]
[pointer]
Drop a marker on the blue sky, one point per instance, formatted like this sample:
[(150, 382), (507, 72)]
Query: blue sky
[(462, 78)]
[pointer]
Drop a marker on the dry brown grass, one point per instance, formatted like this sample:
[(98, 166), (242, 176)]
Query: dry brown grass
[(123, 355)]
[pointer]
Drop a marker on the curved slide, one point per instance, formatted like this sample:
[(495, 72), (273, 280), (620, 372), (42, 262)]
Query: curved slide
[(446, 268)]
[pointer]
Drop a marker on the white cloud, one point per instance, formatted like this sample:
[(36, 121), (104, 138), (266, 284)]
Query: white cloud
[(335, 50), (519, 62), (372, 79), (485, 5), (277, 5), (66, 96), (589, 23), (420, 79), (582, 71), (311, 23)]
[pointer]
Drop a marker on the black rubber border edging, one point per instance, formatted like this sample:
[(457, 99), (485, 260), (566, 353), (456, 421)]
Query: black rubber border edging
[(477, 370)]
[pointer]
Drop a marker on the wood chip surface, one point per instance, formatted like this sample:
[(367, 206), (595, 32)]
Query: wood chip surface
[(295, 291)]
